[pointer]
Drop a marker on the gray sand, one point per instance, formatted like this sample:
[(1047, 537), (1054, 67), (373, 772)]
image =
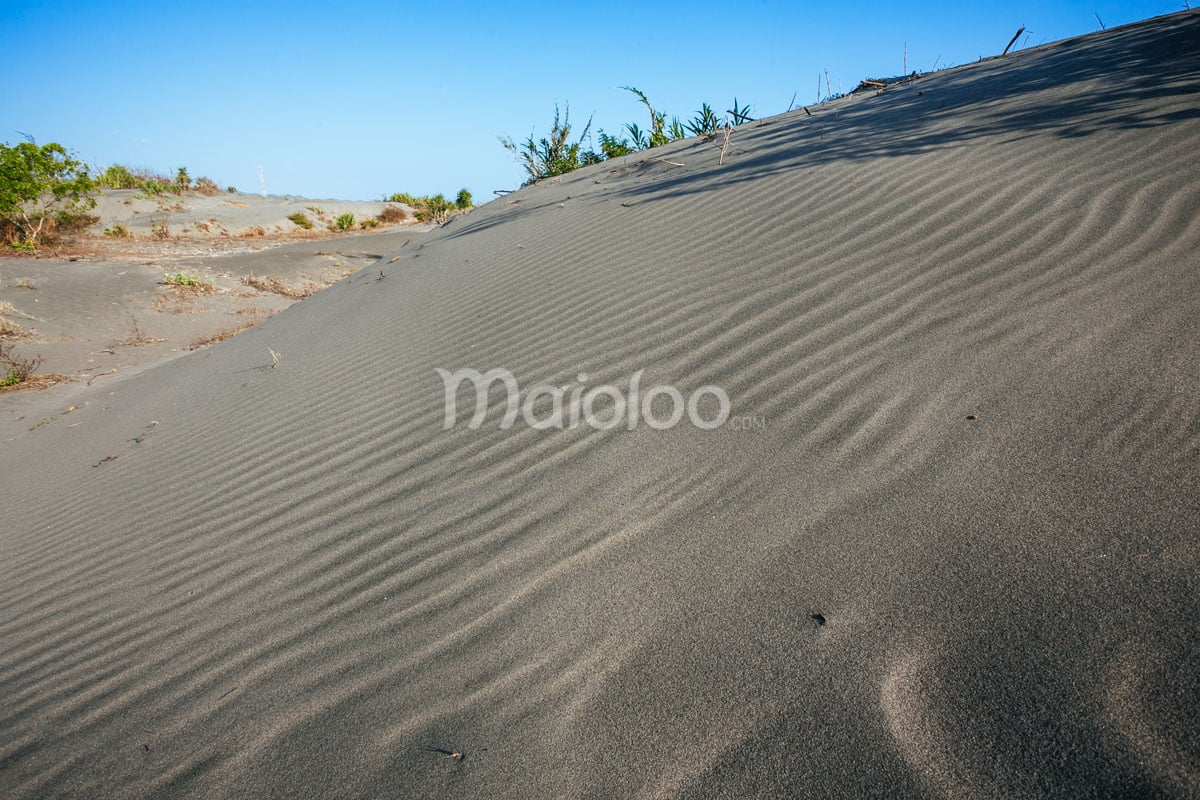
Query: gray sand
[(957, 558)]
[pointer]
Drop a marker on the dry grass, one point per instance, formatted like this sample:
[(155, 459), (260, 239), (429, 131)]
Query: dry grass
[(137, 337), (219, 336), (26, 283), (254, 310), (276, 285), (10, 328), (176, 302), (14, 369), (392, 215), (250, 233), (38, 382)]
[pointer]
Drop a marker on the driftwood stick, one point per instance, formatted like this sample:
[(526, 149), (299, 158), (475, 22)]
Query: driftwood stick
[(1013, 40)]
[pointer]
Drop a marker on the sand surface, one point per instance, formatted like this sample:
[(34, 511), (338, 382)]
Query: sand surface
[(948, 550), (95, 318)]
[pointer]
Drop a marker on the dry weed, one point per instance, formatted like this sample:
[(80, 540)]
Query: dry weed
[(137, 337), (276, 285), (219, 336)]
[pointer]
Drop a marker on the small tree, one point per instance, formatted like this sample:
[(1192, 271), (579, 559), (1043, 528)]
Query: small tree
[(463, 201), (39, 185)]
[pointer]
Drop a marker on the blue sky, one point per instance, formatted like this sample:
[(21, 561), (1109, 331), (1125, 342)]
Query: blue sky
[(357, 100)]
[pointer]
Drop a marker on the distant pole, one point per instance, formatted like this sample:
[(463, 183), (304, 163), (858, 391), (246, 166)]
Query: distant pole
[(262, 182), (905, 72)]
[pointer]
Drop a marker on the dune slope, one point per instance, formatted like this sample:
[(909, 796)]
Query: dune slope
[(945, 546)]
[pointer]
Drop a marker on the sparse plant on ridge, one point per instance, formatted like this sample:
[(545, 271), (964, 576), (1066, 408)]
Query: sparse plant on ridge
[(301, 220), (343, 222), (612, 147), (705, 121), (463, 200), (547, 157), (117, 177), (657, 134), (740, 115), (430, 208), (207, 186)]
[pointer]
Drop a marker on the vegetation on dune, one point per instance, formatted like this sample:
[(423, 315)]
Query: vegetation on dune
[(555, 155), (392, 215), (13, 368), (428, 208), (154, 184), (558, 154), (41, 188), (184, 279)]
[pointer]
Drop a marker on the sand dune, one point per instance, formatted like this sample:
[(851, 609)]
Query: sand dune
[(944, 547)]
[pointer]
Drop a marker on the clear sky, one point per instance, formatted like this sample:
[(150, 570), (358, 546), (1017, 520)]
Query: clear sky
[(357, 100)]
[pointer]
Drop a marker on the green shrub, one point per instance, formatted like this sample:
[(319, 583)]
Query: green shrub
[(118, 177), (38, 186), (231, 189), (612, 147), (344, 222), (181, 279), (183, 181), (705, 121), (301, 220), (117, 232), (369, 223), (433, 209), (557, 155), (153, 187)]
